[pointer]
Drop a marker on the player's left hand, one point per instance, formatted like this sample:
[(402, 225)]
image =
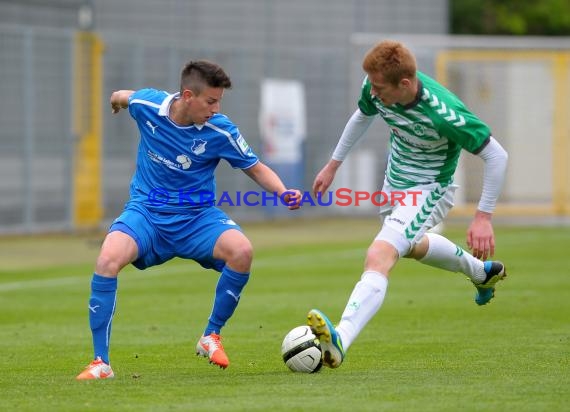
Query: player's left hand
[(292, 198), (480, 236)]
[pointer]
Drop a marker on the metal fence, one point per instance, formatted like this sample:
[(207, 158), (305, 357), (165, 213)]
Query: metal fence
[(36, 136), (66, 162), (52, 104)]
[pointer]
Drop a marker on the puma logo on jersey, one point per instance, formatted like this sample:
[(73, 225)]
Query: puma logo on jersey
[(152, 127)]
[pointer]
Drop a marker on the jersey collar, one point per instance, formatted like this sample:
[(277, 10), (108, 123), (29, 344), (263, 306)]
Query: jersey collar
[(165, 106), (418, 97), (163, 111)]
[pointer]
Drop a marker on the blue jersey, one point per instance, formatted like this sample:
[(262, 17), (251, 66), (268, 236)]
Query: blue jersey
[(175, 164)]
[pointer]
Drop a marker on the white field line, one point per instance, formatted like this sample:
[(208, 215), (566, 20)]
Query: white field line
[(178, 269)]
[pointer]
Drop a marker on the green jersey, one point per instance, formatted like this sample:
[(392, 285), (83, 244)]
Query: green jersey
[(426, 135)]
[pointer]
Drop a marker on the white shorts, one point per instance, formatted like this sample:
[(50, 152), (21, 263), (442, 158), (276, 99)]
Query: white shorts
[(409, 213)]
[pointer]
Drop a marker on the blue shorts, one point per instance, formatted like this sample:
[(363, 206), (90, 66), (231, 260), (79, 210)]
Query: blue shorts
[(163, 236)]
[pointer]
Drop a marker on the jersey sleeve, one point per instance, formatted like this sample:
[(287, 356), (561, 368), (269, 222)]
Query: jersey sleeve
[(452, 118), (143, 95), (465, 129), (235, 149), (365, 103)]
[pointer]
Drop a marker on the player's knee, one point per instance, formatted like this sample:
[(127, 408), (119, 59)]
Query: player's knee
[(381, 257), (398, 242), (241, 256), (419, 249), (108, 265)]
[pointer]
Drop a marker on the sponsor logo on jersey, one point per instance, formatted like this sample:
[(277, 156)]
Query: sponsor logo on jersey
[(412, 140), (155, 157), (184, 161)]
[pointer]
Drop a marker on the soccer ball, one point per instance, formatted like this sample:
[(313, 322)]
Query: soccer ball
[(301, 350)]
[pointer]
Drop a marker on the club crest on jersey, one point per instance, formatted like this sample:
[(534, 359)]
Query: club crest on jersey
[(198, 146), (419, 129)]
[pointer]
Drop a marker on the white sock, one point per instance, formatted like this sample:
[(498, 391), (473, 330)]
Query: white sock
[(444, 254), (365, 300)]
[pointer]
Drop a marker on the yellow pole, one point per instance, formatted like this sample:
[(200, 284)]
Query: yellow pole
[(87, 186), (561, 134)]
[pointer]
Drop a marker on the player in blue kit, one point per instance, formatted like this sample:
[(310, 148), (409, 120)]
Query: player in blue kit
[(170, 212)]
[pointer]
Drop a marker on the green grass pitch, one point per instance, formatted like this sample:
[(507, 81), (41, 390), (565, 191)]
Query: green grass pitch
[(429, 348)]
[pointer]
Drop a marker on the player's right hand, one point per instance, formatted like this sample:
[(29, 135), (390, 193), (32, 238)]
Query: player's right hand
[(325, 177), (480, 236), (120, 100)]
